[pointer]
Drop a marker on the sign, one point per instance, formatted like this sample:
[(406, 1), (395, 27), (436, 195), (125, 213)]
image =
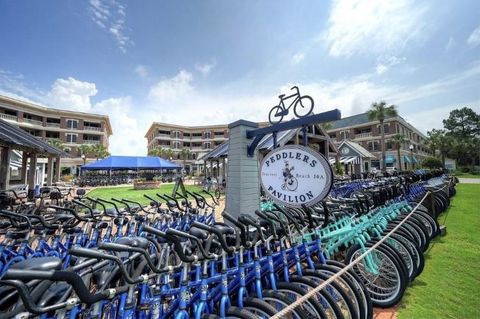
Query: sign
[(294, 175)]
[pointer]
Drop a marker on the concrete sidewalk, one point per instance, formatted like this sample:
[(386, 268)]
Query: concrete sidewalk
[(469, 180)]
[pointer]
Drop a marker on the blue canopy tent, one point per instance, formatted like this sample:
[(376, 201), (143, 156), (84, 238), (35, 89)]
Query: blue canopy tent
[(131, 163)]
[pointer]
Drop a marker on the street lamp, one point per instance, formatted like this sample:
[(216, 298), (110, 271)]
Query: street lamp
[(411, 155), (84, 158)]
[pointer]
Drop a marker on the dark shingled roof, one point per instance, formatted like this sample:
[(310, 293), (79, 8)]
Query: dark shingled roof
[(352, 120), (17, 138)]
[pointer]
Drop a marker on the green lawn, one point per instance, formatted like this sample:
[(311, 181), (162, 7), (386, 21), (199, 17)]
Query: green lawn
[(136, 195), (449, 286)]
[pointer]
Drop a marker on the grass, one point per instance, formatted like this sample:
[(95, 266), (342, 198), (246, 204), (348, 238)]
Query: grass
[(449, 286), (128, 192)]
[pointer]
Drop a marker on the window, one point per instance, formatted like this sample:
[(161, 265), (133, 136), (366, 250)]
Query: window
[(389, 145), (207, 145), (71, 138), (176, 144), (73, 124), (207, 135), (386, 128), (176, 134)]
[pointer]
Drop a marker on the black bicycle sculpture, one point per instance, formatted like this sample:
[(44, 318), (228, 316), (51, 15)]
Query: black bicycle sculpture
[(302, 106)]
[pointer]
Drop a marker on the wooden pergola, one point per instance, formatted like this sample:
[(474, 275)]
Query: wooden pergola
[(12, 137)]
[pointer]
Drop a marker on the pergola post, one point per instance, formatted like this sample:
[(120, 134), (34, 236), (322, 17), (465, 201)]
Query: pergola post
[(223, 169), (57, 170), (6, 153), (23, 175), (32, 172), (50, 171), (218, 169)]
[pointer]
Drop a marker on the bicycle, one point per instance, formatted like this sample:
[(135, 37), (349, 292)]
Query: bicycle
[(302, 106)]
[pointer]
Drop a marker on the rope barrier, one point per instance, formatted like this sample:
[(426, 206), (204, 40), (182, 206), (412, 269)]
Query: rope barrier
[(312, 292)]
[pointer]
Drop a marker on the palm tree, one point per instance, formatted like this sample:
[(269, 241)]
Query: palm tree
[(85, 149), (379, 112), (99, 151), (57, 143), (398, 140), (184, 155)]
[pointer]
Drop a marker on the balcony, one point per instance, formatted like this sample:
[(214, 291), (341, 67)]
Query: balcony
[(34, 122), (363, 135), (91, 142), (92, 128), (8, 117), (53, 124)]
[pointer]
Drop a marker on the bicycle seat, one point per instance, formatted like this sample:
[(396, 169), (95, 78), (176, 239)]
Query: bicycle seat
[(40, 263), (281, 96), (133, 242), (199, 233), (224, 228)]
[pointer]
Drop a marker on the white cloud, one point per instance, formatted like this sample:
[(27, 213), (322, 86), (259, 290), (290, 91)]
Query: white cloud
[(141, 71), (127, 138), (381, 68), (205, 68), (386, 62), (450, 44), (71, 94), (474, 38), (110, 16), (372, 27), (298, 57), (172, 89)]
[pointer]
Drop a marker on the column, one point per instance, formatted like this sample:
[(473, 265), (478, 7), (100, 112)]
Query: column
[(23, 176), (6, 153), (50, 171), (31, 172), (223, 168), (42, 175), (218, 169), (243, 184), (56, 177)]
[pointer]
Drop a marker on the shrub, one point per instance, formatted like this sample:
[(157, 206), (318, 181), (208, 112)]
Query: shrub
[(432, 162), (338, 169)]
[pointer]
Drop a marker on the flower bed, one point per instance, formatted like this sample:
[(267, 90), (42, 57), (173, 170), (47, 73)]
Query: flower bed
[(139, 184)]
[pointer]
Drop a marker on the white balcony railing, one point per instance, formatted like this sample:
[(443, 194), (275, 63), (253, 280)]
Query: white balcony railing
[(52, 124), (8, 117), (91, 142), (34, 122), (92, 128), (363, 135)]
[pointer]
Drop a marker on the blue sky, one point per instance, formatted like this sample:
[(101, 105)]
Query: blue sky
[(207, 62)]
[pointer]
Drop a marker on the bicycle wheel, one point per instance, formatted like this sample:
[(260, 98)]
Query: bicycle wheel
[(217, 193), (275, 115), (363, 298), (388, 286), (235, 312), (280, 300), (303, 106), (311, 306)]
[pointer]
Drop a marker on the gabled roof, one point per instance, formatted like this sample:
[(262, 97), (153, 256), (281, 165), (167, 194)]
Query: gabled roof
[(357, 148), (19, 139), (266, 143)]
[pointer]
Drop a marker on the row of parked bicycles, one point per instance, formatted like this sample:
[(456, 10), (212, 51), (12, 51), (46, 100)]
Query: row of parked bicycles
[(85, 257)]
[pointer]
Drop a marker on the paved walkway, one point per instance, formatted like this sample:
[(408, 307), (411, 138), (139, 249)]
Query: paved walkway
[(464, 180)]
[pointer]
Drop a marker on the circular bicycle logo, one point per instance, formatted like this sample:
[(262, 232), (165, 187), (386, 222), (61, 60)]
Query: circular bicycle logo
[(294, 175)]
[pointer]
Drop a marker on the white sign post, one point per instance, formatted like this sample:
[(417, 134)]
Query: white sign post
[(293, 175)]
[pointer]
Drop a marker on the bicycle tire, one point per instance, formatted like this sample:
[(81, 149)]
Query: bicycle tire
[(254, 305), (348, 300), (315, 309), (272, 119), (282, 299), (309, 108), (235, 312), (335, 309), (363, 297), (402, 278)]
